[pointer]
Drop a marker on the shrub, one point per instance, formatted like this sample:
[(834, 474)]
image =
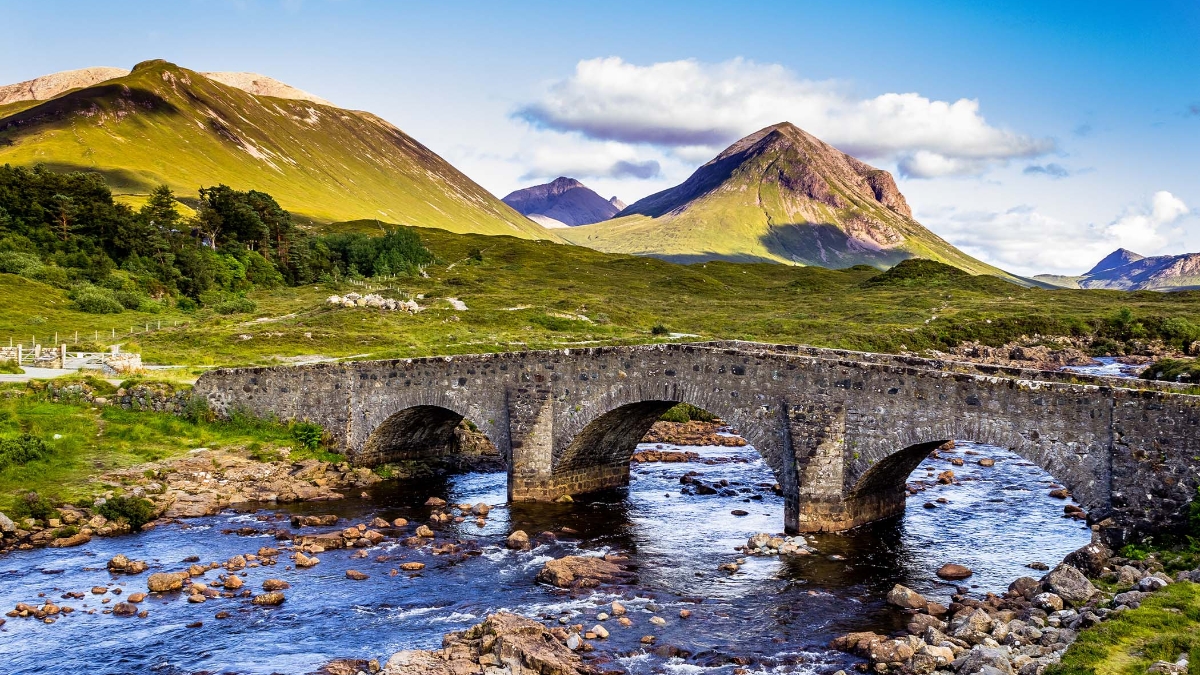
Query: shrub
[(19, 451), (1173, 370), (308, 434), (186, 304), (49, 274), (134, 510), (95, 300), (35, 506), (235, 306), (686, 412), (16, 262), (129, 299), (196, 410), (10, 367), (659, 329)]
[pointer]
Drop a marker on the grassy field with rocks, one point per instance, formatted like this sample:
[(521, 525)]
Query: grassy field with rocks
[(524, 294)]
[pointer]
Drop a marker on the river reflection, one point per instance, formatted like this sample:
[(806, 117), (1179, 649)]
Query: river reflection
[(775, 614)]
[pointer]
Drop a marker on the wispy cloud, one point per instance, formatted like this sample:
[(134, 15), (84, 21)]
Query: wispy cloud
[(1052, 170), (695, 106)]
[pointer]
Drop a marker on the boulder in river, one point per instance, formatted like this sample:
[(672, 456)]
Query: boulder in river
[(314, 521), (305, 561), (954, 572), (502, 640), (268, 599), (124, 609), (576, 571), (165, 582), (275, 585), (518, 541)]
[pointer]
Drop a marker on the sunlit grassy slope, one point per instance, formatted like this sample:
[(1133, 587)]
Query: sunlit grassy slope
[(530, 294), (166, 124)]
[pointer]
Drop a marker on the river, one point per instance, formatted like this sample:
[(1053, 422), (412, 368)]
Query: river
[(776, 615)]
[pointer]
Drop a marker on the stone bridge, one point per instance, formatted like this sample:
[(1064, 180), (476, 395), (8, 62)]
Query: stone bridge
[(841, 430)]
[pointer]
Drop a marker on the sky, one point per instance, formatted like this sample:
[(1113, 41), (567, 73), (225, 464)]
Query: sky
[(1036, 136)]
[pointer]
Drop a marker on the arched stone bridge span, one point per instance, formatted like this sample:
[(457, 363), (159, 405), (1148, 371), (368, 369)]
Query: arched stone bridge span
[(841, 430)]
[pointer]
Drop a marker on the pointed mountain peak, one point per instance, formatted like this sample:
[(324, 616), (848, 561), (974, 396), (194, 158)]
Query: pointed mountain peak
[(563, 200), (806, 169), (1118, 258), (617, 203)]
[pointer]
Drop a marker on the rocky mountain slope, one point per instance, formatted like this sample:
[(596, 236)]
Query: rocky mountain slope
[(164, 124), (1127, 271), (261, 85), (779, 195), (564, 202)]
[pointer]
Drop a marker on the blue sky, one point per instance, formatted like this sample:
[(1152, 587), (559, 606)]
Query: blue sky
[(1037, 136)]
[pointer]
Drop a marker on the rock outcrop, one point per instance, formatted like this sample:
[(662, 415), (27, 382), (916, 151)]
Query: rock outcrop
[(503, 644)]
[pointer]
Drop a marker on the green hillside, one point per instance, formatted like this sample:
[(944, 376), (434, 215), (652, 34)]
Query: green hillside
[(529, 294), (778, 195), (163, 124)]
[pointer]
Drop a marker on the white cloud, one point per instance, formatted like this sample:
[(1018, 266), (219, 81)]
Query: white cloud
[(696, 109), (1025, 241)]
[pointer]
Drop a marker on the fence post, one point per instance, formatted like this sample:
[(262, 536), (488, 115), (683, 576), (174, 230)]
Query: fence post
[(20, 356)]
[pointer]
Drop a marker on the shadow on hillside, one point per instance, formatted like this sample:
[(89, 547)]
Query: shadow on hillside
[(825, 245)]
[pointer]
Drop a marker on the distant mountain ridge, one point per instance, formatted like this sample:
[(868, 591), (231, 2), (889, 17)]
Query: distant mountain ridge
[(563, 202), (781, 195), (160, 123), (1124, 270)]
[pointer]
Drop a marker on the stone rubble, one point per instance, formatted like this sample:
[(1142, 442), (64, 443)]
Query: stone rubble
[(1021, 632), (374, 301)]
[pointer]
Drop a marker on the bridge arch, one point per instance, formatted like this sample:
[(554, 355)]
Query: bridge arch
[(598, 452), (424, 432), (875, 486)]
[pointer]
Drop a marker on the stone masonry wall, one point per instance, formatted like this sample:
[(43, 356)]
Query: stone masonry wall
[(840, 430)]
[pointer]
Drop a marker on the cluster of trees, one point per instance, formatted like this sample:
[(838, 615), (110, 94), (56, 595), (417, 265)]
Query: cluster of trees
[(65, 229)]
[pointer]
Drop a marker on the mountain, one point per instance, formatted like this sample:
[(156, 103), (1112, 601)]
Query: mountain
[(563, 202), (779, 195), (164, 124), (1124, 270)]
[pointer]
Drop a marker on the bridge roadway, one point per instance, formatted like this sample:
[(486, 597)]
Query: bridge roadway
[(841, 430)]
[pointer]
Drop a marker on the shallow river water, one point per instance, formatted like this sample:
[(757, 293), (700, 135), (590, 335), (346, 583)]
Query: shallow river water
[(775, 614)]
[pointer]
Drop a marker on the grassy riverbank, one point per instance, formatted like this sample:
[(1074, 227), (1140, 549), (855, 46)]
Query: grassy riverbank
[(524, 294), (1166, 625), (82, 442)]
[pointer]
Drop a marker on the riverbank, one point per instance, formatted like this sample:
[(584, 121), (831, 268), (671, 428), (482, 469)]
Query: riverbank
[(1055, 624)]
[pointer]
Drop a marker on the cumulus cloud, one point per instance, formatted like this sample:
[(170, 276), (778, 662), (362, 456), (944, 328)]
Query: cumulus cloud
[(701, 107), (1025, 241), (1052, 170)]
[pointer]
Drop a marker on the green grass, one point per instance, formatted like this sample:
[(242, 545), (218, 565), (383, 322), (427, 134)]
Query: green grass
[(165, 124), (527, 294), (1166, 625), (92, 441)]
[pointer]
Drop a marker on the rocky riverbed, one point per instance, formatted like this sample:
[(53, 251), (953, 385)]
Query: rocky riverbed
[(287, 588)]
